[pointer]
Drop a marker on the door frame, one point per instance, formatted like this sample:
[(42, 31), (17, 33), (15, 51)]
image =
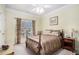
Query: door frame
[(33, 26), (18, 26)]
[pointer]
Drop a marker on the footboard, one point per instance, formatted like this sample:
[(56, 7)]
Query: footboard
[(33, 45)]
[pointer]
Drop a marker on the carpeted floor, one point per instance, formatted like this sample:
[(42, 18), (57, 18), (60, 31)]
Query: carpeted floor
[(20, 49)]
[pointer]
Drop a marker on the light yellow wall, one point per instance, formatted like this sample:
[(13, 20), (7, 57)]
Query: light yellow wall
[(2, 11), (11, 23), (68, 18), (2, 8)]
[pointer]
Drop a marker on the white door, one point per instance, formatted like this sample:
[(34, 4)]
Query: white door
[(2, 29)]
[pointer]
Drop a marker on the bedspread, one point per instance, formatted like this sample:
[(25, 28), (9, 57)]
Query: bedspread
[(49, 43)]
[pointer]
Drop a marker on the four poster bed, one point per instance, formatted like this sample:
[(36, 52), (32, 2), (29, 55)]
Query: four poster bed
[(45, 43)]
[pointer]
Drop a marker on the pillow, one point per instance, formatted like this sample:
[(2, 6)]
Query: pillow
[(50, 33), (46, 32), (55, 33), (0, 47)]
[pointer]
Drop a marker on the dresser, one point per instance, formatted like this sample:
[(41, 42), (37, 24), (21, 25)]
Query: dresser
[(69, 44)]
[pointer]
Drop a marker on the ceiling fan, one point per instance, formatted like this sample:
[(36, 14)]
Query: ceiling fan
[(40, 8)]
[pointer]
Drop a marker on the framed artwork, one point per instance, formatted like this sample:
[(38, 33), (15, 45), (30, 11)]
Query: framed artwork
[(54, 20)]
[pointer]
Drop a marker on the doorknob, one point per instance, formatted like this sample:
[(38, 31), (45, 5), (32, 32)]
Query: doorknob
[(3, 33)]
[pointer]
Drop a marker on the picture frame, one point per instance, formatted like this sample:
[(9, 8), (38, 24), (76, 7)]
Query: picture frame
[(54, 20)]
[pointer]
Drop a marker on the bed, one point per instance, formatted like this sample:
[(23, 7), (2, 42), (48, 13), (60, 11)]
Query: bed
[(45, 43)]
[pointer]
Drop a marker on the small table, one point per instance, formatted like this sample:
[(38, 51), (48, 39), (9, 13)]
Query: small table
[(9, 51), (69, 44)]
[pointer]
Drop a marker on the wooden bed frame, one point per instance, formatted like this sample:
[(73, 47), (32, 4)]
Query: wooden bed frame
[(61, 33)]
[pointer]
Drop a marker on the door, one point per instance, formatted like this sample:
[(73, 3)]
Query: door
[(22, 27), (2, 29), (27, 29)]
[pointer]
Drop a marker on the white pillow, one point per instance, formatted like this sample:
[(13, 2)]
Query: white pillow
[(55, 33), (50, 33), (46, 32)]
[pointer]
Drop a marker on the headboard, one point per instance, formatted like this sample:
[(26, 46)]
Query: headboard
[(60, 32)]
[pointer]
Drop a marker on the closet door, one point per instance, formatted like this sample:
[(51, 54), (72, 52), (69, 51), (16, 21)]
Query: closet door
[(2, 29)]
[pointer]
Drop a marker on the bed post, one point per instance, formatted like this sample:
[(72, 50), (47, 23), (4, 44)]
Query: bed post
[(39, 45), (62, 35), (26, 37)]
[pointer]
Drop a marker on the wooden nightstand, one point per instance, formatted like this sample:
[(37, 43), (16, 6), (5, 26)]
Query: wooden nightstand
[(69, 44)]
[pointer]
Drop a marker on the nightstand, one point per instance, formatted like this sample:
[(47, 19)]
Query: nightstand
[(69, 44)]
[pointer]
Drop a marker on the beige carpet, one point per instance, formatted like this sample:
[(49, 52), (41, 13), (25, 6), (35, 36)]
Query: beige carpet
[(20, 49)]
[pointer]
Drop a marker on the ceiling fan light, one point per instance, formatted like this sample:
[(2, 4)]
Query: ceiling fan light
[(38, 10), (47, 6)]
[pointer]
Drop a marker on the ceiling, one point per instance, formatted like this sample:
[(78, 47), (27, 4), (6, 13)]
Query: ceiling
[(28, 7)]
